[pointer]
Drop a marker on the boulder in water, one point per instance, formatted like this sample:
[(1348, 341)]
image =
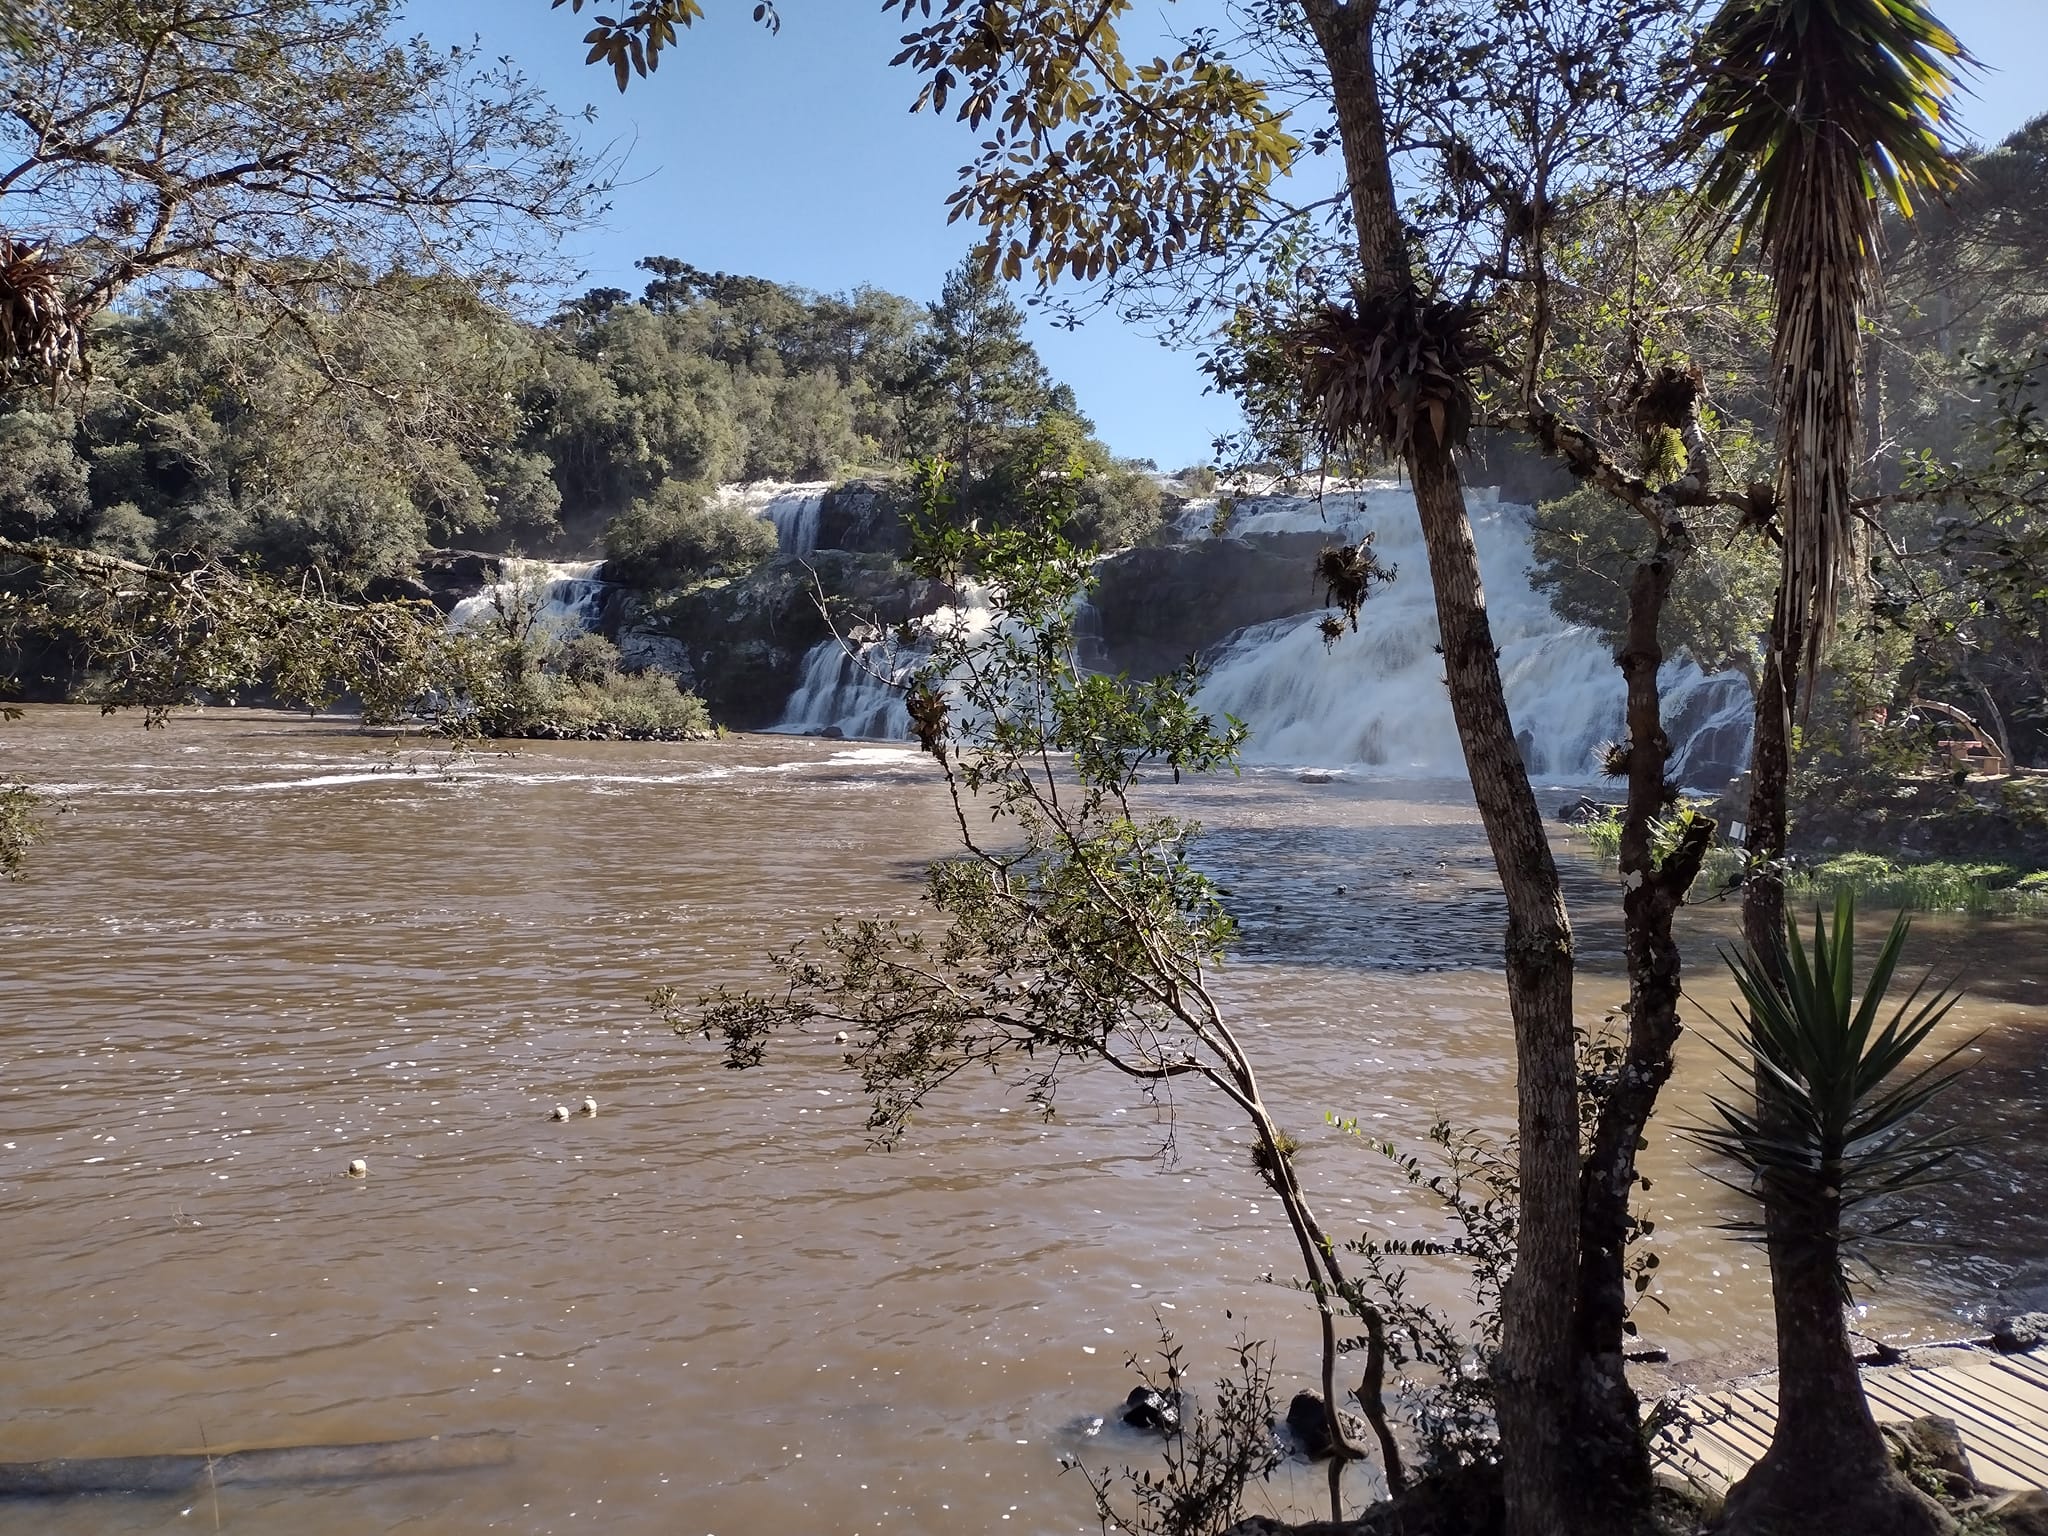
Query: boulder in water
[(1309, 1423), (2016, 1335), (1149, 1408), (1585, 810)]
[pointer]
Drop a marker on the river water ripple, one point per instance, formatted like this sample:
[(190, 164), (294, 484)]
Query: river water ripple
[(257, 947)]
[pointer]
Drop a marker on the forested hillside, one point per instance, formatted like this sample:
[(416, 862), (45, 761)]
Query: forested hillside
[(386, 416)]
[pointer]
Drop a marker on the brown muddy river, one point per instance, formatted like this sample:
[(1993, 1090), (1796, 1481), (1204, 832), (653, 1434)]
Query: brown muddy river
[(256, 948)]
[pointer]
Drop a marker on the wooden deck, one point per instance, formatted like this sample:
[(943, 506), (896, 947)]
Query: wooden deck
[(1999, 1402)]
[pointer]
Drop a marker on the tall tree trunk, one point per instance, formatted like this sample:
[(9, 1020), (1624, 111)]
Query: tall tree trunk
[(1534, 1369), (1828, 1468), (1533, 1374), (1613, 1458), (1770, 787)]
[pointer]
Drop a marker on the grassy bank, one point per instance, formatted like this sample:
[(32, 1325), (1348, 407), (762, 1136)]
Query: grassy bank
[(1978, 886)]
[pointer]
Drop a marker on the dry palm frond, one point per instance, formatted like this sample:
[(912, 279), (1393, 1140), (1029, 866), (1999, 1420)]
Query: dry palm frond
[(1389, 370), (1810, 112), (42, 335)]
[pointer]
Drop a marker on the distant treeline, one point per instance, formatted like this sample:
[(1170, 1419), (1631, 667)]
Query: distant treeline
[(397, 413)]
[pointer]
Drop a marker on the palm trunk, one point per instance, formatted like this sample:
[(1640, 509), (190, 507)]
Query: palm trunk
[(1770, 781), (1828, 1468)]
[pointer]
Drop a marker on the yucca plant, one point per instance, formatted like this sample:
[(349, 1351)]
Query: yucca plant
[(1830, 1127)]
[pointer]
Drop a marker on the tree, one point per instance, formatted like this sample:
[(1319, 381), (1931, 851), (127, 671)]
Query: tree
[(1827, 1131), (1813, 111), (1095, 166), (274, 149), (1077, 931), (976, 382)]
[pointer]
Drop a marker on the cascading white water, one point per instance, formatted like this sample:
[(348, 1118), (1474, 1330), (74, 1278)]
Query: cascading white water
[(854, 691), (857, 690), (793, 507), (562, 596), (1376, 699)]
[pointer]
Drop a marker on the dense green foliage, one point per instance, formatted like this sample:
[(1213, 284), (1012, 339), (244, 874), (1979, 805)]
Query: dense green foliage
[(677, 535), (402, 413), (271, 148), (1953, 557)]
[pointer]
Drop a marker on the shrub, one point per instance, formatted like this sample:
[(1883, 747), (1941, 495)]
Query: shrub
[(676, 536), (584, 657)]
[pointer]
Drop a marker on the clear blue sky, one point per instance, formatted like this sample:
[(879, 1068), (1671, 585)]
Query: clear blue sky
[(794, 157)]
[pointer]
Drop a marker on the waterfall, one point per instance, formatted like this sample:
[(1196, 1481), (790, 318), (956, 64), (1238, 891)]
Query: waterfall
[(563, 597), (852, 691), (856, 688), (793, 507), (1376, 699)]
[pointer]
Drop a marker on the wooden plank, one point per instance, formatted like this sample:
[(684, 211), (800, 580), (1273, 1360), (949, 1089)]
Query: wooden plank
[(2018, 1423), (1997, 1460), (1921, 1393), (2016, 1401), (1739, 1427), (2032, 1367), (1999, 1403)]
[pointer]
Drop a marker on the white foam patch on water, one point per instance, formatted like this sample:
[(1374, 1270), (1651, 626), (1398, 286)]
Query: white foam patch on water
[(458, 774)]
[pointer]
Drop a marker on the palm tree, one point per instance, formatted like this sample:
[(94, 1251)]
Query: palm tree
[(1812, 113)]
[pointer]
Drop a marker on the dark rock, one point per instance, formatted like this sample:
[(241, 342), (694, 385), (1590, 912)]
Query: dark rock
[(743, 640), (1315, 776), (1310, 1425), (1149, 1408), (830, 733), (1934, 1446), (400, 589), (449, 575), (1585, 809), (864, 517), (1161, 604), (2024, 1514), (646, 650), (2015, 1335)]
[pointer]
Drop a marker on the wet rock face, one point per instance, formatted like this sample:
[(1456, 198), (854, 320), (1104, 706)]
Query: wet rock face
[(864, 517), (1310, 1425), (740, 644), (1149, 1408), (446, 576), (1161, 604)]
